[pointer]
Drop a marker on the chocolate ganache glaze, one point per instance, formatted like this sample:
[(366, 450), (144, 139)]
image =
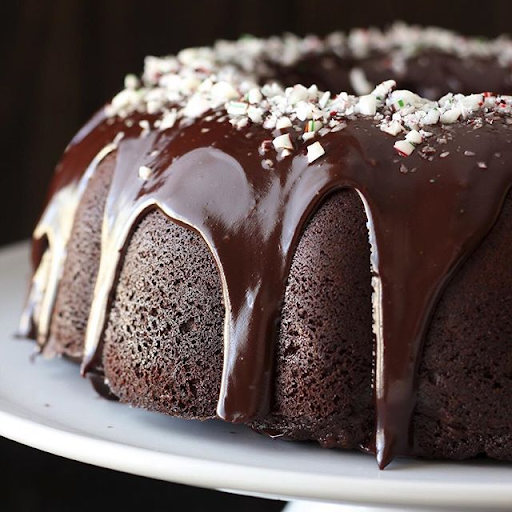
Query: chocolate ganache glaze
[(211, 173)]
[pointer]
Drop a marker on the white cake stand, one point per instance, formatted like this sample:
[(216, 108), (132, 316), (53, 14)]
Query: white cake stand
[(46, 405)]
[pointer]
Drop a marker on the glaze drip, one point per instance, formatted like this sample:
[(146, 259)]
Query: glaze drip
[(51, 235), (207, 176)]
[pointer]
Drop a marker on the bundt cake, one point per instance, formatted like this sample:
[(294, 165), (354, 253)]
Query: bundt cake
[(227, 238)]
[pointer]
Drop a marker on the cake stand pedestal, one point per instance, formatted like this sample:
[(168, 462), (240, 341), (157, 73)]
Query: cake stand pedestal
[(317, 506), (46, 405)]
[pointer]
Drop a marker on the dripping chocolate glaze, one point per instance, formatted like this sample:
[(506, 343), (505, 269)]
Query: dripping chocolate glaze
[(89, 146), (208, 175)]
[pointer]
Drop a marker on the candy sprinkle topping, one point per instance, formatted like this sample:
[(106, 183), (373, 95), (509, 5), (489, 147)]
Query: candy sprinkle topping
[(145, 172), (222, 82), (315, 151), (404, 147), (283, 142)]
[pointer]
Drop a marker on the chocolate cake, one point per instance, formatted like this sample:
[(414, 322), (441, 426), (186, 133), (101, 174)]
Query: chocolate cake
[(234, 237)]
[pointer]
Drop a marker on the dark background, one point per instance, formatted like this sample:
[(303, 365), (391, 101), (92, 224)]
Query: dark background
[(60, 61)]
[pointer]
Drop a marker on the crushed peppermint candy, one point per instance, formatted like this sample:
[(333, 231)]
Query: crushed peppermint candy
[(223, 81), (407, 146), (283, 142), (146, 128), (403, 147), (145, 172), (255, 114), (315, 151), (367, 105), (237, 108), (359, 82), (414, 137), (313, 126), (283, 122)]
